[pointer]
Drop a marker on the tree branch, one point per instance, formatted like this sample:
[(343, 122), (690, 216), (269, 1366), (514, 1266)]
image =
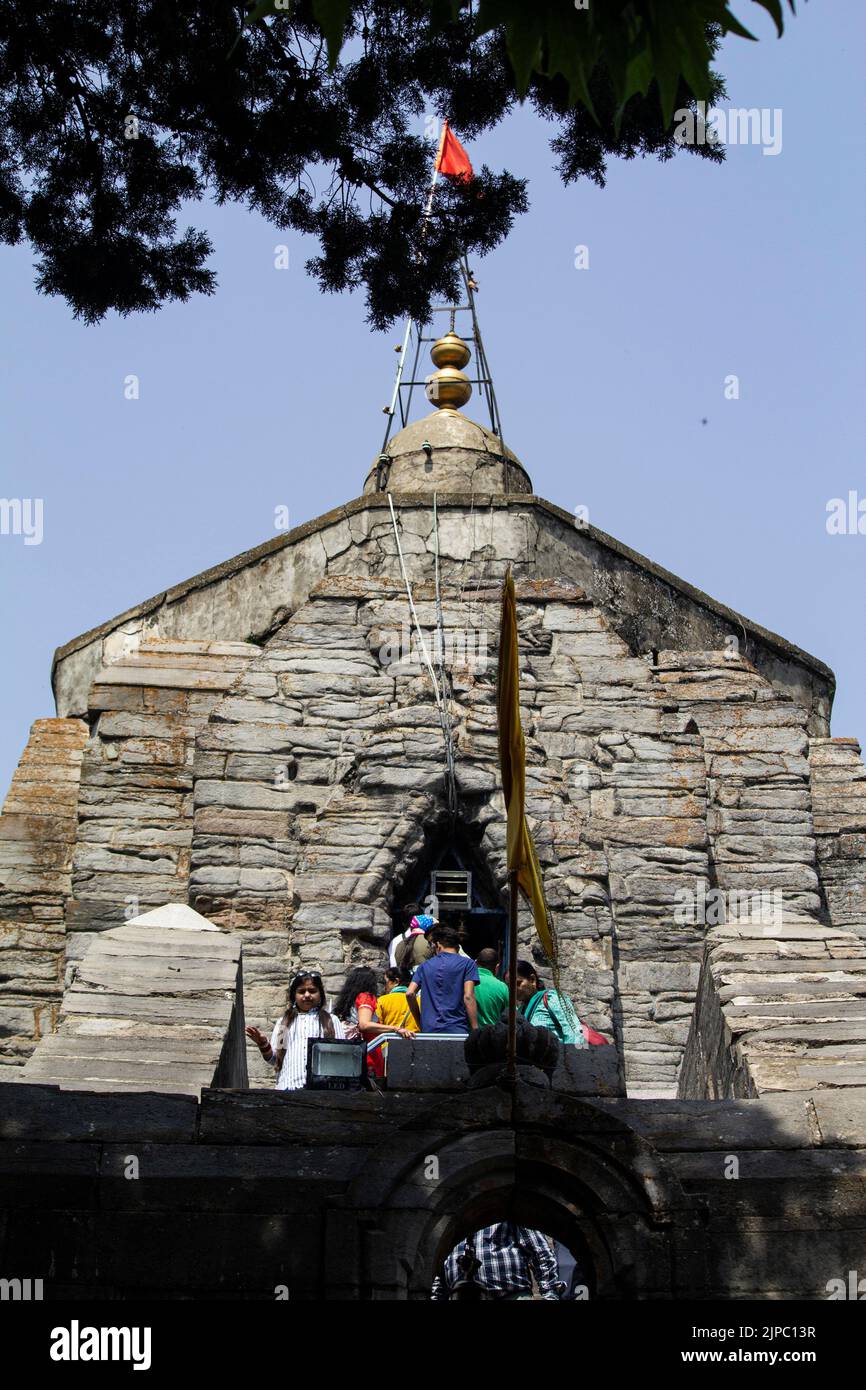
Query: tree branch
[(83, 114)]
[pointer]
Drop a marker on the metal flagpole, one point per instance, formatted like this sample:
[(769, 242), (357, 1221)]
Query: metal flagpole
[(410, 324), (429, 208), (511, 1053), (485, 376)]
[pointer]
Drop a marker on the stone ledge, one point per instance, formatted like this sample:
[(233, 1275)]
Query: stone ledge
[(818, 1120)]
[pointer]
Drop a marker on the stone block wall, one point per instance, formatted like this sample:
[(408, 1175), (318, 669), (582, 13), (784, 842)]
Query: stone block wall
[(320, 780), (290, 786), (781, 1007), (38, 829), (839, 804), (647, 606), (289, 790), (135, 800), (757, 773), (152, 1006)]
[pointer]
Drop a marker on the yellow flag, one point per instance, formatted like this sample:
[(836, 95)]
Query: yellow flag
[(512, 763)]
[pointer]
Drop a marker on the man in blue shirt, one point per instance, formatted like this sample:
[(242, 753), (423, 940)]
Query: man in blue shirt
[(447, 985)]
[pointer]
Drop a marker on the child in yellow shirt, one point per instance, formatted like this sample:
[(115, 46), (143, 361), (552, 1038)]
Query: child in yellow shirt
[(391, 1007)]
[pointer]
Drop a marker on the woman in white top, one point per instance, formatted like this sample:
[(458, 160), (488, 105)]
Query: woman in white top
[(306, 1017)]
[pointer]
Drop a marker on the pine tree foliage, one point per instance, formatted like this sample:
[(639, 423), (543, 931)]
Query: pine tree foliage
[(116, 116)]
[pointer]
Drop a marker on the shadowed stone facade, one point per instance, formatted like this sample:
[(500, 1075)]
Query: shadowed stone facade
[(249, 1195)]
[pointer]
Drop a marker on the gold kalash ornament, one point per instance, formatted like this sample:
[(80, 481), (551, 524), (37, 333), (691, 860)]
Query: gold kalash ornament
[(448, 387)]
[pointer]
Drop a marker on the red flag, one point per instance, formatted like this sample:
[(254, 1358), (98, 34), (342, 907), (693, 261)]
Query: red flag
[(452, 159)]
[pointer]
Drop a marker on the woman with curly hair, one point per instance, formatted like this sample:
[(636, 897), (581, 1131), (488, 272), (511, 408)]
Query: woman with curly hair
[(355, 1006), (305, 1018)]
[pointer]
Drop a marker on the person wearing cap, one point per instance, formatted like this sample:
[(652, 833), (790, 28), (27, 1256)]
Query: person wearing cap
[(414, 949)]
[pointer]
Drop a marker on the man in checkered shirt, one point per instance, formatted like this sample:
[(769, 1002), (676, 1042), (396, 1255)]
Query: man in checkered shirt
[(498, 1262)]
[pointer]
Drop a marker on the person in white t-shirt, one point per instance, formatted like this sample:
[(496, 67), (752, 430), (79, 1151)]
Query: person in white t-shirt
[(305, 1018)]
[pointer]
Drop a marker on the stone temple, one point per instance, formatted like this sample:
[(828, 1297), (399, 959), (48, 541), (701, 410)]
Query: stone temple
[(250, 771)]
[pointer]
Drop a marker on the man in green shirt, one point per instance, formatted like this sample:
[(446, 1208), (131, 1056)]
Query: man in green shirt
[(491, 995)]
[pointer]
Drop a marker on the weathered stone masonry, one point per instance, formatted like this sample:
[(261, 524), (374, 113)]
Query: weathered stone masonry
[(254, 745), (257, 751)]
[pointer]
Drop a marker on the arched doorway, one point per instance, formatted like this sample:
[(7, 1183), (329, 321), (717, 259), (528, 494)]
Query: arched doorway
[(545, 1160), (451, 878)]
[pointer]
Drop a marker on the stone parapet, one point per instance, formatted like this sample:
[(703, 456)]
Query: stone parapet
[(246, 1195)]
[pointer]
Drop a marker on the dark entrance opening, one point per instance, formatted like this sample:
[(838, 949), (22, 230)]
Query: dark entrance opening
[(452, 882)]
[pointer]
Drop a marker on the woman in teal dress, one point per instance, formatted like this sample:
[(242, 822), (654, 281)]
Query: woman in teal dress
[(545, 1008)]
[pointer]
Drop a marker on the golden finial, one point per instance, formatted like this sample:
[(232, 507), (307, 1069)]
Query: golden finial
[(449, 387)]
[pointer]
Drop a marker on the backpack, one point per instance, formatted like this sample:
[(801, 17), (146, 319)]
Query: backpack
[(406, 954), (592, 1037), (532, 1007)]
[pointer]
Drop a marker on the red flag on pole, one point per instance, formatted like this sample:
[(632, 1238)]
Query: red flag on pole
[(452, 159)]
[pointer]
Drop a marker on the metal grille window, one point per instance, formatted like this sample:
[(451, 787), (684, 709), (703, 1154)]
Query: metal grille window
[(452, 888)]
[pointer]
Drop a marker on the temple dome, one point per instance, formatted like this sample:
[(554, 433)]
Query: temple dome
[(447, 452)]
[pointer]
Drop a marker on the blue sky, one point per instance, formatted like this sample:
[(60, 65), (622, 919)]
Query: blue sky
[(270, 394)]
